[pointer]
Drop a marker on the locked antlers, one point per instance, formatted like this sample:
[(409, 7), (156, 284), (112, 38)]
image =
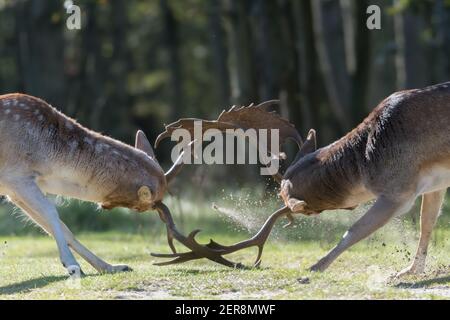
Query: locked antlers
[(254, 117), (213, 250)]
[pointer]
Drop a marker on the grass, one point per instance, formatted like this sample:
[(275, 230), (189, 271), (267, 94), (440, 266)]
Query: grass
[(30, 268)]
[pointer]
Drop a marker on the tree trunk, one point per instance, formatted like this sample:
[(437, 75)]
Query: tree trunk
[(400, 45), (360, 78), (173, 48), (41, 40), (220, 52), (326, 68), (243, 80), (348, 23)]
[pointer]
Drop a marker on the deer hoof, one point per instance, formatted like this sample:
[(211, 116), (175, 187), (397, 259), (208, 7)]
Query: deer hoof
[(75, 271), (409, 271), (119, 268), (319, 267)]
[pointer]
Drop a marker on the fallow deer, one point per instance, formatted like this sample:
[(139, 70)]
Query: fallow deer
[(399, 152), (45, 152)]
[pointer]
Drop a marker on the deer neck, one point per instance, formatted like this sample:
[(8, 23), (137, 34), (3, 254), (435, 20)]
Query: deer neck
[(90, 167), (340, 173)]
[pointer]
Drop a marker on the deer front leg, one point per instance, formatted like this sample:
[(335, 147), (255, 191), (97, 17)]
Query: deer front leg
[(377, 216), (99, 264), (27, 193), (431, 204)]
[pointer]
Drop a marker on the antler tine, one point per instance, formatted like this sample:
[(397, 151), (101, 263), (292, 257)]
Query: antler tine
[(175, 169), (161, 136), (170, 240), (260, 238), (265, 104), (213, 250), (178, 164), (180, 258), (290, 220), (198, 250)]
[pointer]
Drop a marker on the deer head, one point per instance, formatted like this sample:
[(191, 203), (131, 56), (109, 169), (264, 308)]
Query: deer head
[(299, 177), (148, 182)]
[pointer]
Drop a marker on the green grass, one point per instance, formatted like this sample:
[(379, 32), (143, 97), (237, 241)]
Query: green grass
[(30, 268)]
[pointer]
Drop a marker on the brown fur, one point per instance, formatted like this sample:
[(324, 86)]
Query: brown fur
[(408, 132), (35, 135)]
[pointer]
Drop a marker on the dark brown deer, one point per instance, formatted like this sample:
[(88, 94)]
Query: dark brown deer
[(399, 152)]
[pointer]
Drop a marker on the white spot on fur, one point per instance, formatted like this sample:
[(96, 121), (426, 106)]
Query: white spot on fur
[(6, 102), (69, 125), (7, 111), (16, 117), (41, 117), (36, 112)]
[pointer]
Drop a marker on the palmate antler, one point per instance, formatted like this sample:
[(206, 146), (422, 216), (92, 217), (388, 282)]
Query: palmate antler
[(213, 250), (251, 117), (254, 117)]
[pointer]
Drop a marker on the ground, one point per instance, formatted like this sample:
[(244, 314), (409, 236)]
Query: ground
[(30, 268)]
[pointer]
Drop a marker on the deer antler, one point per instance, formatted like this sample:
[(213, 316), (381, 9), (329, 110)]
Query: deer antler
[(213, 250), (178, 164), (255, 117)]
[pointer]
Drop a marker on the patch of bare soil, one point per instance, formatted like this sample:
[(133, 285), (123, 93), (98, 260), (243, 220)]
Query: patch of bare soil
[(144, 295)]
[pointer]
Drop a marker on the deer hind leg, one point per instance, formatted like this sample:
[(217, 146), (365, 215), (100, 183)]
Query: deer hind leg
[(27, 194), (100, 265), (431, 204), (377, 216)]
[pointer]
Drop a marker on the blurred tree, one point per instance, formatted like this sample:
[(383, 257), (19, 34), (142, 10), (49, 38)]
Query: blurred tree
[(40, 49), (243, 71), (172, 45), (219, 51), (145, 63)]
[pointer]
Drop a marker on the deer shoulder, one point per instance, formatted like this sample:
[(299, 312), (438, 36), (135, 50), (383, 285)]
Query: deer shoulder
[(68, 159)]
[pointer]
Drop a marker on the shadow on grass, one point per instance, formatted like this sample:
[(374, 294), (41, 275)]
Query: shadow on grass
[(28, 285), (36, 283), (221, 270), (423, 283), (200, 271)]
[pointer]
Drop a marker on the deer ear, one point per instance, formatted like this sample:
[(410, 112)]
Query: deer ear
[(144, 194), (310, 144), (143, 144)]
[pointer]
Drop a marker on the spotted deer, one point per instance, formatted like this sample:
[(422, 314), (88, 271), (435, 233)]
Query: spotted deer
[(399, 152), (45, 152)]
